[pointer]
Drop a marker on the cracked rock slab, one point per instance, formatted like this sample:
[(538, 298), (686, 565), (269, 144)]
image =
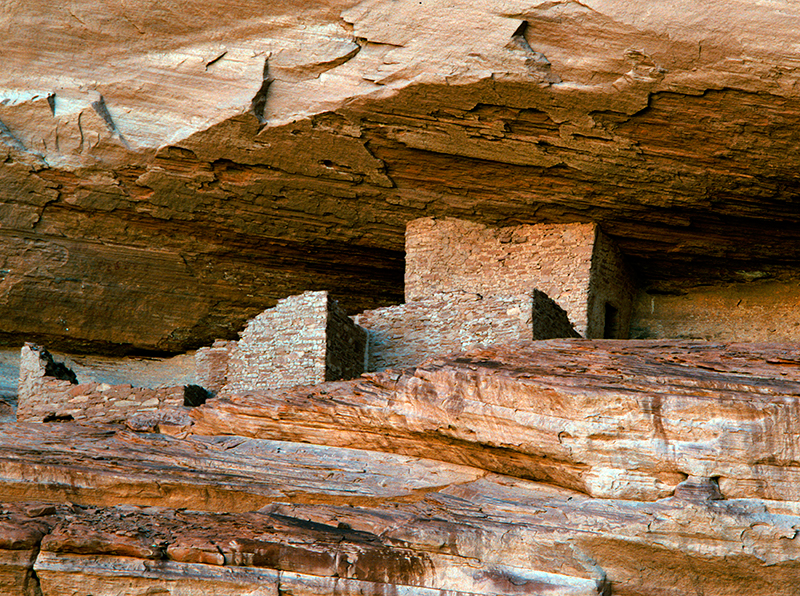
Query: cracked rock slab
[(111, 465), (623, 420), (494, 535)]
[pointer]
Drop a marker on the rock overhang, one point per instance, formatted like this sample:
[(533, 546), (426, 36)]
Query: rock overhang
[(675, 135)]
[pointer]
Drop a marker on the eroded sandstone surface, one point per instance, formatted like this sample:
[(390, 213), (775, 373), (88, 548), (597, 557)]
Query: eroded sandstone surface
[(628, 420), (559, 467), (169, 170), (190, 165)]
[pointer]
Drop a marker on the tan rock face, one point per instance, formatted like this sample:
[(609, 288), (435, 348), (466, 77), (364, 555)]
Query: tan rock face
[(621, 422), (191, 165), (625, 420)]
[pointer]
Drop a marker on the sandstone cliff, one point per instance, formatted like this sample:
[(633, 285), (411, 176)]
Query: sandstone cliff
[(170, 169), (667, 470), (191, 164)]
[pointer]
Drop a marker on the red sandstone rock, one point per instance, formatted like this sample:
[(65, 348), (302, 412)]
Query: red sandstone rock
[(613, 419), (149, 167), (232, 515), (22, 527), (106, 465), (573, 412), (487, 536)]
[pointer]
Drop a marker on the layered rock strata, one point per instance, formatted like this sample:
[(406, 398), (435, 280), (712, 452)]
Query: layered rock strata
[(190, 166), (354, 521), (626, 420), (109, 509)]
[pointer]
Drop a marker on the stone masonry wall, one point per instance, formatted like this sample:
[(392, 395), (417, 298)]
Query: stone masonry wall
[(548, 319), (346, 345), (446, 255), (43, 397), (305, 339), (611, 292), (407, 334), (211, 365), (283, 345)]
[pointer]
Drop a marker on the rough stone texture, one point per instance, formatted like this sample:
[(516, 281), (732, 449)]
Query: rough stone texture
[(305, 339), (211, 365), (152, 514), (8, 411), (170, 169), (762, 310), (625, 420), (174, 422), (574, 264), (22, 527), (9, 380), (345, 345), (375, 520), (283, 346), (142, 371), (448, 255), (150, 165), (405, 335), (44, 397), (94, 402), (109, 465)]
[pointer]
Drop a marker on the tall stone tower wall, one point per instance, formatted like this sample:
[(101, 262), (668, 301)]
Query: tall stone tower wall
[(574, 264)]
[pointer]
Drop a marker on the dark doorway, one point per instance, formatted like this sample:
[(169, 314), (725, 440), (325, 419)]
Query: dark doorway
[(611, 326)]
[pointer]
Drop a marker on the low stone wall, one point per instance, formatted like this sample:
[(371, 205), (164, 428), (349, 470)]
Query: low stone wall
[(47, 393), (407, 334), (282, 346)]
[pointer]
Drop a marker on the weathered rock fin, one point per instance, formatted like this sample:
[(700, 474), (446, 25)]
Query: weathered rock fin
[(101, 109), (259, 103)]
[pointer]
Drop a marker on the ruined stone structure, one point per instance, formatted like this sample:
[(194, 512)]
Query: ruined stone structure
[(171, 169), (49, 391), (446, 322), (211, 364), (308, 339), (468, 284), (574, 264), (304, 340)]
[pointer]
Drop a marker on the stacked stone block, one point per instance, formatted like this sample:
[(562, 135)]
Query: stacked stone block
[(304, 340), (466, 285), (611, 291), (49, 392), (345, 345), (574, 264), (404, 335)]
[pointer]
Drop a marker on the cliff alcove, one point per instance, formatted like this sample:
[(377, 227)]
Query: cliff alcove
[(136, 174), (170, 170)]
